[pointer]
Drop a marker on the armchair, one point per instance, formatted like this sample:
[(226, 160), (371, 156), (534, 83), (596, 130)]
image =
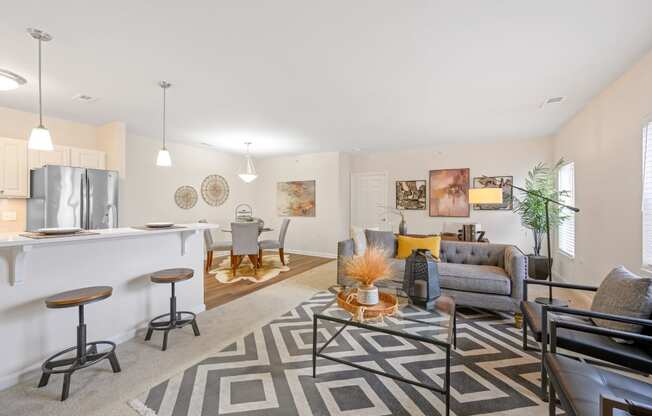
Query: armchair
[(585, 389), (536, 317)]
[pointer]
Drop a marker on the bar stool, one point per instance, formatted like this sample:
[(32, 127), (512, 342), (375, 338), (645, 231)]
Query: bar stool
[(86, 352), (174, 319)]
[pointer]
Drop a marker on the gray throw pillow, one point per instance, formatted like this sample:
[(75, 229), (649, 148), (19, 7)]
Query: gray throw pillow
[(385, 240), (626, 294)]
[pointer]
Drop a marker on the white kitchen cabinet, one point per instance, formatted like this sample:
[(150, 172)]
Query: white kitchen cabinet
[(87, 158), (59, 156), (13, 168)]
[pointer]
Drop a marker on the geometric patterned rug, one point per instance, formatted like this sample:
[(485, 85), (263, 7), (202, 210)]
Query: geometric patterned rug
[(269, 372)]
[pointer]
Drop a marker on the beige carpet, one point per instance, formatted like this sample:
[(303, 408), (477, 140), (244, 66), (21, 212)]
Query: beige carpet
[(97, 391), (270, 268)]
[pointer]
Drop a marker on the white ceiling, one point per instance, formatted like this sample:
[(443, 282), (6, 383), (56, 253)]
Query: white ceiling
[(298, 76)]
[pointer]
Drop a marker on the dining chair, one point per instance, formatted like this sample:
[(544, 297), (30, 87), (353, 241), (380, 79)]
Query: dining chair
[(275, 244), (212, 245), (245, 244)]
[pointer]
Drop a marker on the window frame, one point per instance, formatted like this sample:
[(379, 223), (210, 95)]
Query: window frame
[(647, 125), (570, 202)]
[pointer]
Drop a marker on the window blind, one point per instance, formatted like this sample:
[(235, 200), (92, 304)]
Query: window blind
[(566, 234), (647, 196)]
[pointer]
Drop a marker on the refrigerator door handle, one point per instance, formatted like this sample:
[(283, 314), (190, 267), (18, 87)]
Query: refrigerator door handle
[(89, 226), (82, 204)]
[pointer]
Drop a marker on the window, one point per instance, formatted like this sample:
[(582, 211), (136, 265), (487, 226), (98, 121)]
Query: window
[(566, 234), (647, 196)]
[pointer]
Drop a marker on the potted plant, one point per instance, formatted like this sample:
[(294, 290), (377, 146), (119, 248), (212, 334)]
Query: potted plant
[(541, 180), (367, 269)]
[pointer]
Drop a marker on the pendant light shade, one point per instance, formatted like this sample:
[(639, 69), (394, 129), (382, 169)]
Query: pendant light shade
[(40, 138), (249, 175), (163, 158)]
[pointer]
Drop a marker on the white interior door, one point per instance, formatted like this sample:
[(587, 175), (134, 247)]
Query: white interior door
[(368, 197)]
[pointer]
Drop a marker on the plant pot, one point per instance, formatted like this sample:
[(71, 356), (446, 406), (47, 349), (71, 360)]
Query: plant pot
[(538, 266), (368, 295)]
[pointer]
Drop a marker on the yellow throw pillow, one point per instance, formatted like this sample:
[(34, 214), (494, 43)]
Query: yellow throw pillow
[(407, 244)]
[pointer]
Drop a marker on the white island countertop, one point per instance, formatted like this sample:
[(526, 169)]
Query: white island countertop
[(16, 240), (17, 247)]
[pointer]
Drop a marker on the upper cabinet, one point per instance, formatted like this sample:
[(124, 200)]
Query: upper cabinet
[(86, 158), (13, 168), (59, 156), (67, 156)]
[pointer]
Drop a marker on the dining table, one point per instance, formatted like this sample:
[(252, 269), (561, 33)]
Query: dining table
[(263, 230)]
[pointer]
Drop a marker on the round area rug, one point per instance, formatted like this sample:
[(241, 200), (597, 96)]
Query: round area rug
[(271, 268)]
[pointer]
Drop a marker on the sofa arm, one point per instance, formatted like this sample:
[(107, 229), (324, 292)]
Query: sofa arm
[(344, 251), (516, 268)]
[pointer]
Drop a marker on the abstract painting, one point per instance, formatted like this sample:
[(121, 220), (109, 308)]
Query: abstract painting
[(449, 193), (296, 199), (504, 182), (410, 194)]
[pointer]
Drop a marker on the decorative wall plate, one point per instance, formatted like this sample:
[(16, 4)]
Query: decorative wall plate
[(214, 190), (185, 197)]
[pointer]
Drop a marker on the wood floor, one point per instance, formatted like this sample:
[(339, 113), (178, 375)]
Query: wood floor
[(216, 293)]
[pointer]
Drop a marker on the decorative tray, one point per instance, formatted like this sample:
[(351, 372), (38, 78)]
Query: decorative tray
[(387, 306)]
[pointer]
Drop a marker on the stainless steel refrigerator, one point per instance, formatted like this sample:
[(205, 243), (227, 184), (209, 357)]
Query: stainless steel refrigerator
[(64, 196)]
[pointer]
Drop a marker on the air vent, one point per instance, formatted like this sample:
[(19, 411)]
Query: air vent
[(84, 98), (552, 100)]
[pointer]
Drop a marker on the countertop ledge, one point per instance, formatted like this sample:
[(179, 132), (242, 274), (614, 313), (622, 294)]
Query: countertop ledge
[(9, 240)]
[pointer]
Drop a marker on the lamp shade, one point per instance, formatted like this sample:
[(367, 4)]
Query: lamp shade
[(163, 158), (40, 139), (249, 175), (486, 196)]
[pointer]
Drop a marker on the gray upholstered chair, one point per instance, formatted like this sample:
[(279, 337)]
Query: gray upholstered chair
[(212, 245), (245, 244), (275, 244)]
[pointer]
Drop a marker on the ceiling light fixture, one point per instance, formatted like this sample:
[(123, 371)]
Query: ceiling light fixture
[(10, 81), (249, 175), (40, 138), (163, 158)]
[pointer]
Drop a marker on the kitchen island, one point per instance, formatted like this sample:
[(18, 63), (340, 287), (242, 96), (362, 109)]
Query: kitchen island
[(33, 269)]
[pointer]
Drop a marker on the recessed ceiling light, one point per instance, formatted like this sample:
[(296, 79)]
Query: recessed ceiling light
[(10, 81), (552, 100), (85, 98)]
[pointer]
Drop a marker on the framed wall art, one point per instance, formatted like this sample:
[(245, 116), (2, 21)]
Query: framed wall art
[(449, 193), (411, 195)]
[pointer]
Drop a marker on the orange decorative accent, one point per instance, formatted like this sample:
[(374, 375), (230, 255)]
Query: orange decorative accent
[(387, 306)]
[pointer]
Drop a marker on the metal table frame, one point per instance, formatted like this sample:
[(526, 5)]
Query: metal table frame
[(445, 390)]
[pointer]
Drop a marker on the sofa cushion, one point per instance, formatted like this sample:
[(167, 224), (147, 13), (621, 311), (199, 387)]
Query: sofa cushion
[(473, 278), (626, 294), (408, 244), (384, 240), (463, 252), (580, 385)]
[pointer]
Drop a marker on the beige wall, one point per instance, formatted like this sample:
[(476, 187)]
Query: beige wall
[(147, 194), (605, 142), (506, 158), (311, 235)]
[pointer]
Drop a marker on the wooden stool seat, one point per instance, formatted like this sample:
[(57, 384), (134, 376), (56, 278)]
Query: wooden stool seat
[(172, 275), (78, 297)]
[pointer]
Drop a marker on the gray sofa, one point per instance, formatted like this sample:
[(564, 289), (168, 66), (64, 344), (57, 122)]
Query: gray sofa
[(481, 275)]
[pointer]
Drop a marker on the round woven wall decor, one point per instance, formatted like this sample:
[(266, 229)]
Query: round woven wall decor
[(185, 197), (214, 190)]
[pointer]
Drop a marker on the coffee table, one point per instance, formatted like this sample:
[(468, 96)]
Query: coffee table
[(443, 316)]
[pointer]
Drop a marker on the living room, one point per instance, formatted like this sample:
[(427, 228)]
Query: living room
[(327, 208)]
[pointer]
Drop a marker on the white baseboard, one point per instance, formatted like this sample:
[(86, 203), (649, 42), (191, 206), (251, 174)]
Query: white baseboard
[(312, 253), (33, 370)]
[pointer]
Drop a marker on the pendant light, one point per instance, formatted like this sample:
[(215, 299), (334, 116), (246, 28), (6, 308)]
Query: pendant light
[(40, 138), (249, 175), (163, 158)]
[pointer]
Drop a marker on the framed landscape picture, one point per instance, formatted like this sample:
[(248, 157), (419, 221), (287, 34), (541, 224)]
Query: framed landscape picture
[(449, 193), (296, 199), (504, 182), (411, 195)]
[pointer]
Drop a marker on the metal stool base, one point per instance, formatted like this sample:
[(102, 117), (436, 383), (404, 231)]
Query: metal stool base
[(67, 366), (181, 319)]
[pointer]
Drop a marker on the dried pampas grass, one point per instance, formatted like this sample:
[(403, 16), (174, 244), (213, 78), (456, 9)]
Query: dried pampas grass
[(369, 267)]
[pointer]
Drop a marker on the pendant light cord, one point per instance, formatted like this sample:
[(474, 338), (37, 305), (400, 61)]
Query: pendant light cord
[(164, 88), (40, 92)]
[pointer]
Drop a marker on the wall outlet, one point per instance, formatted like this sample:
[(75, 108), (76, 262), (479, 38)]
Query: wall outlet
[(8, 215)]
